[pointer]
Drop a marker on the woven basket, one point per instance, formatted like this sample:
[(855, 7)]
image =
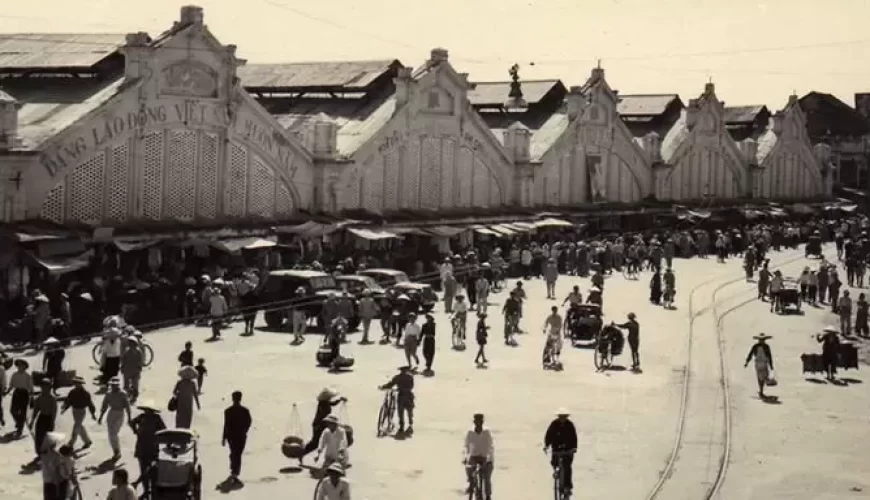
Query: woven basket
[(293, 447)]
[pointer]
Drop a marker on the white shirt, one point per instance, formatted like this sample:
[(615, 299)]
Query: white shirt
[(329, 491), (412, 330), (479, 444), (460, 307), (112, 348), (332, 442)]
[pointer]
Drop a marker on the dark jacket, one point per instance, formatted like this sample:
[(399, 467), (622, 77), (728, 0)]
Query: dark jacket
[(237, 422), (561, 435)]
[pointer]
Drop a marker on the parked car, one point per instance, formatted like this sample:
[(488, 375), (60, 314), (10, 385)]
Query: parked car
[(397, 282), (356, 284), (279, 289)]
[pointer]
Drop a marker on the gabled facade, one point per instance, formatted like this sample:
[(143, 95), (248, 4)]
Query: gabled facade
[(434, 153), (595, 159), (787, 167), (702, 159), (173, 138)]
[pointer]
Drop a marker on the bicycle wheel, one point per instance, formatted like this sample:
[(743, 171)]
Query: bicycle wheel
[(97, 353), (557, 483), (147, 354), (383, 418), (318, 487), (599, 359), (478, 483)]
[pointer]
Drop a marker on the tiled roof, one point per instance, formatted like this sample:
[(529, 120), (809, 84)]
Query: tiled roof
[(338, 74), (56, 50), (50, 105), (827, 114), (496, 93), (358, 120), (644, 104), (743, 114)]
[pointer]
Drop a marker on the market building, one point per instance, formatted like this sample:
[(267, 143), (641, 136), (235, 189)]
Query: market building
[(137, 133)]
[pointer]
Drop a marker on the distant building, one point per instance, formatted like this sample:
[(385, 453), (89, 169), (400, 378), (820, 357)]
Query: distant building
[(140, 133), (846, 130)]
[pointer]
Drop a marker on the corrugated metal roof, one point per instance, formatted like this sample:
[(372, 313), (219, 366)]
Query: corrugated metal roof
[(644, 104), (4, 97), (675, 137), (766, 143), (57, 50), (743, 114), (348, 74), (546, 129), (358, 120), (49, 105), (496, 93)]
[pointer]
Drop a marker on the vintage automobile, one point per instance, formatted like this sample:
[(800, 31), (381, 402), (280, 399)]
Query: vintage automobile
[(278, 293), (356, 284), (397, 283)]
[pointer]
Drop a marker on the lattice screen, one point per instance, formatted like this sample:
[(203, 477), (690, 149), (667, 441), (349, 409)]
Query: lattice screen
[(52, 207), (85, 185), (180, 190), (448, 174), (480, 196), (391, 181), (262, 195), (118, 190), (411, 174), (464, 179), (430, 173), (208, 176), (373, 184), (283, 200), (236, 182), (151, 182)]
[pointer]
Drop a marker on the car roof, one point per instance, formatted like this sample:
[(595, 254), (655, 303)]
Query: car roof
[(381, 270), (298, 273), (353, 277)]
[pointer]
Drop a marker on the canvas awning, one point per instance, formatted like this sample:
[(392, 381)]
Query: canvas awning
[(238, 244), (551, 222), (309, 229), (29, 238), (504, 230), (62, 265), (523, 227), (484, 230), (133, 246), (445, 231), (372, 235), (399, 231)]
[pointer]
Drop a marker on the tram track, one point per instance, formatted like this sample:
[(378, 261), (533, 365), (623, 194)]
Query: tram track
[(718, 318)]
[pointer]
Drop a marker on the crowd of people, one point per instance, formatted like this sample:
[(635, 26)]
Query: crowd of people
[(473, 275)]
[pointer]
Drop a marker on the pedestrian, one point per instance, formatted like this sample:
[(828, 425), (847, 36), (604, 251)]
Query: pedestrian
[(5, 364), (132, 363), (482, 290), (482, 334), (335, 487), (633, 328), (333, 443), (298, 317), (368, 310), (428, 335), (237, 423), (145, 426), (111, 352), (248, 299), (185, 394), (52, 361), (81, 402), (201, 373), (185, 358), (830, 348), (844, 310), (450, 288), (325, 401), (21, 387), (551, 273), (764, 276), (121, 489), (44, 416), (218, 310), (861, 316), (760, 352), (116, 406), (412, 338), (561, 439), (52, 465)]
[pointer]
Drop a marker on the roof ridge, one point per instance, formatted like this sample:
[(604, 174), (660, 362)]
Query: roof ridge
[(387, 61), (649, 95), (539, 80)]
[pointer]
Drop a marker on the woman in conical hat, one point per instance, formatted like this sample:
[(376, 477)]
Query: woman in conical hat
[(760, 351)]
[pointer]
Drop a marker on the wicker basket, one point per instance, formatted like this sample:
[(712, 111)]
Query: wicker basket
[(293, 447)]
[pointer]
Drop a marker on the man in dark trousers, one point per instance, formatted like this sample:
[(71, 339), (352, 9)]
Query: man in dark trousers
[(237, 422), (561, 438)]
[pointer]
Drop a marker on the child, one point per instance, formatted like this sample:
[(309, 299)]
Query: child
[(66, 471), (201, 372), (185, 358), (482, 334), (121, 486)]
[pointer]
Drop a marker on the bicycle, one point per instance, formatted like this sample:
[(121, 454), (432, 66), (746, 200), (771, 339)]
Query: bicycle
[(387, 413), (147, 353), (560, 491), (477, 490)]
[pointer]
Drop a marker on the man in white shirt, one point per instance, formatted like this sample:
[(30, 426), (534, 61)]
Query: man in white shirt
[(460, 312), (334, 486), (479, 450), (333, 443)]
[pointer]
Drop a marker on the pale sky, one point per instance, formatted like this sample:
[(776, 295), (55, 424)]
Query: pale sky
[(756, 52)]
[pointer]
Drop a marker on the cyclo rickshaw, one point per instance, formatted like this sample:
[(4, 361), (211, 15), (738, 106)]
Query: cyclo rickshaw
[(583, 323), (789, 297), (609, 344), (814, 246)]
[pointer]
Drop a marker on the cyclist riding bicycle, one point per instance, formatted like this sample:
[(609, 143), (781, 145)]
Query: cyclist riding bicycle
[(561, 438), (511, 312), (553, 329), (460, 316), (404, 384), (575, 297), (479, 450)]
